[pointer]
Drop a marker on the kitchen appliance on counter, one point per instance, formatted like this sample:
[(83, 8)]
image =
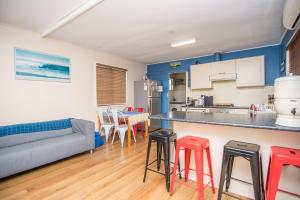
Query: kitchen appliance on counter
[(190, 102), (204, 101), (200, 101), (287, 101), (147, 95), (208, 101)]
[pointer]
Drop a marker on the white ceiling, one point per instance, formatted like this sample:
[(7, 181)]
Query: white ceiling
[(142, 30)]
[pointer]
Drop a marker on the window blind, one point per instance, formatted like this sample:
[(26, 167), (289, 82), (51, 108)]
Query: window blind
[(294, 52), (111, 85)]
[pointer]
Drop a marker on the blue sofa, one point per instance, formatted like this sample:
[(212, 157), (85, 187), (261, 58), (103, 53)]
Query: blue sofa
[(26, 146)]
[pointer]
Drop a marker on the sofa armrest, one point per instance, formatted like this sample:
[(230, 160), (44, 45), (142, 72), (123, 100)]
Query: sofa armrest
[(87, 128)]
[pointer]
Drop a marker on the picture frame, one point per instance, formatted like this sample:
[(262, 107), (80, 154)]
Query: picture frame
[(39, 66)]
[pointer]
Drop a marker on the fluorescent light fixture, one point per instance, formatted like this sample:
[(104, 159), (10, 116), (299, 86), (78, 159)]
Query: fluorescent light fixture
[(186, 42)]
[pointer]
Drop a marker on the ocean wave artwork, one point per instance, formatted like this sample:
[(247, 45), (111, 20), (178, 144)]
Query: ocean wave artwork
[(32, 65)]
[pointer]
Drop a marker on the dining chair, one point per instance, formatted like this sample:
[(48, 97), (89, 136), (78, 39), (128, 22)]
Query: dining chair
[(120, 128), (138, 126), (129, 109), (105, 122)]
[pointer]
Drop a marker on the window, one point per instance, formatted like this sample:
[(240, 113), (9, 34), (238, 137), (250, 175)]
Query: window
[(294, 54), (111, 85)]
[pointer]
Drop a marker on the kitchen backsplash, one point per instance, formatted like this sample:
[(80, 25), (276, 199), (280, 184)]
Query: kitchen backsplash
[(227, 92)]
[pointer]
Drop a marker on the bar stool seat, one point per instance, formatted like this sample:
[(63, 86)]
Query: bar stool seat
[(280, 156), (198, 145), (163, 138), (250, 152), (194, 142), (242, 147)]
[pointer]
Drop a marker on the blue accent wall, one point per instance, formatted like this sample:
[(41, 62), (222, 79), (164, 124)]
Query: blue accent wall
[(161, 71)]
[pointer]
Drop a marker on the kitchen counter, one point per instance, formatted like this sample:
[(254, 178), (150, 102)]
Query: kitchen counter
[(262, 121), (219, 107), (219, 128), (177, 102)]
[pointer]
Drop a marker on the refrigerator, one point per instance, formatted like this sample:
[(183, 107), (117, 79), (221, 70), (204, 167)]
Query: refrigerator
[(147, 95)]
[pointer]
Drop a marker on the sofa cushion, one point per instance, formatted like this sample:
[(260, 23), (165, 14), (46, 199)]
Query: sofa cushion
[(52, 149), (22, 157), (15, 159), (16, 139), (35, 127)]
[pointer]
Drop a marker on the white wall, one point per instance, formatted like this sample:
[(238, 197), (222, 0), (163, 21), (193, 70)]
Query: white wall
[(227, 92), (29, 101)]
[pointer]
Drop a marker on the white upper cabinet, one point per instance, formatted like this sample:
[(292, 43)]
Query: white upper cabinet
[(223, 67), (250, 71), (200, 76), (247, 72), (223, 70)]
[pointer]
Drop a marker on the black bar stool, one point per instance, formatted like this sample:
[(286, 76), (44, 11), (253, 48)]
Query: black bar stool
[(163, 138), (250, 152)]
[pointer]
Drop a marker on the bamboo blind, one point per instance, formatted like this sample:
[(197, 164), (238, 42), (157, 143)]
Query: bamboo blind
[(294, 52), (111, 85)]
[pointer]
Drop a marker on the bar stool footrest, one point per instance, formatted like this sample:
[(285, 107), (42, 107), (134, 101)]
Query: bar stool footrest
[(236, 179), (191, 186), (290, 193)]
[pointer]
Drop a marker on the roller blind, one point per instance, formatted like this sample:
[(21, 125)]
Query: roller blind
[(111, 85), (294, 52)]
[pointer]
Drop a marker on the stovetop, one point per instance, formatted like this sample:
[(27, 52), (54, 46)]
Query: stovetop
[(223, 105)]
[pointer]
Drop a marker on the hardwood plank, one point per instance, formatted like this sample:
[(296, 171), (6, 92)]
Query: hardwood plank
[(111, 172)]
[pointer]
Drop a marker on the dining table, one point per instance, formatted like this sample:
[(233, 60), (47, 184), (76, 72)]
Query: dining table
[(132, 118)]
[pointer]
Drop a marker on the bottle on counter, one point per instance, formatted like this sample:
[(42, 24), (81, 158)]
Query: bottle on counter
[(253, 110)]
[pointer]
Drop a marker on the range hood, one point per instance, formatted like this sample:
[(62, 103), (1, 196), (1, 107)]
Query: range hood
[(223, 77)]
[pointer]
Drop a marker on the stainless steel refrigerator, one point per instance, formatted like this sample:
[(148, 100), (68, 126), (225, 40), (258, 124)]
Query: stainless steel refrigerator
[(147, 95)]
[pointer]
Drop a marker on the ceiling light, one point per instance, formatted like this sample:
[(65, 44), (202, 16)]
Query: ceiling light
[(177, 44)]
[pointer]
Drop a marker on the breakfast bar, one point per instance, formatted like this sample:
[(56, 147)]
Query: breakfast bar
[(219, 128)]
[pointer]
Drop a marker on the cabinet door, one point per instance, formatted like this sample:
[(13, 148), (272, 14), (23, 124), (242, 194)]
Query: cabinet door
[(223, 67), (250, 71), (200, 76)]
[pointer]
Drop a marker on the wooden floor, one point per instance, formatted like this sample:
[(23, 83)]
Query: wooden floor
[(111, 172)]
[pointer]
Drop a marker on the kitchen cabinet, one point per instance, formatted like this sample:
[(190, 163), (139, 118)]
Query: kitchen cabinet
[(250, 72), (223, 71), (223, 67), (200, 76)]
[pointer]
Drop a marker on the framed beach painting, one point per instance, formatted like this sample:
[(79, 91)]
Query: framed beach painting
[(31, 65)]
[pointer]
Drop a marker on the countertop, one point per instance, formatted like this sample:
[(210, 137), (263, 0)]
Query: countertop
[(262, 121), (177, 102), (219, 107)]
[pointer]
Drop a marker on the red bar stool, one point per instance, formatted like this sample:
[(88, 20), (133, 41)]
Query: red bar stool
[(198, 145), (280, 156)]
